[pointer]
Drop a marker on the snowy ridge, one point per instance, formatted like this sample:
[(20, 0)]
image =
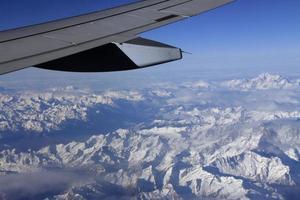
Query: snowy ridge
[(38, 112), (217, 149), (157, 162), (255, 167), (262, 82)]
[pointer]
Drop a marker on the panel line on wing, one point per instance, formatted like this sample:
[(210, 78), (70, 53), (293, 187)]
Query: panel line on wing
[(55, 38), (85, 22), (175, 5)]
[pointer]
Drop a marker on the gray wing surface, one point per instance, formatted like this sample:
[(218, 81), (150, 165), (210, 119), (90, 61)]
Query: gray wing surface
[(42, 43)]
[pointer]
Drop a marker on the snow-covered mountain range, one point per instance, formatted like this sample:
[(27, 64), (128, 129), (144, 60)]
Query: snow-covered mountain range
[(199, 140), (264, 81)]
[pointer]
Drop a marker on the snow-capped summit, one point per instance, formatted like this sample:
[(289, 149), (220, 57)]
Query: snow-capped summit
[(264, 81)]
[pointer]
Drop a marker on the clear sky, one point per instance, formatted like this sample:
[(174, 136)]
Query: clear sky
[(257, 35)]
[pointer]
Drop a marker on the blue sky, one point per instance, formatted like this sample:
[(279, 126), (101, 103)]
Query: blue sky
[(248, 35)]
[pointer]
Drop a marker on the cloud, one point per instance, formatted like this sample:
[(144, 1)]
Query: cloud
[(40, 184)]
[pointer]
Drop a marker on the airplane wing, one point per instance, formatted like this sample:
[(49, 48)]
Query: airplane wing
[(100, 41)]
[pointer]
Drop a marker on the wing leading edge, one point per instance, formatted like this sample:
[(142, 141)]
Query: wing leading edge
[(47, 45)]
